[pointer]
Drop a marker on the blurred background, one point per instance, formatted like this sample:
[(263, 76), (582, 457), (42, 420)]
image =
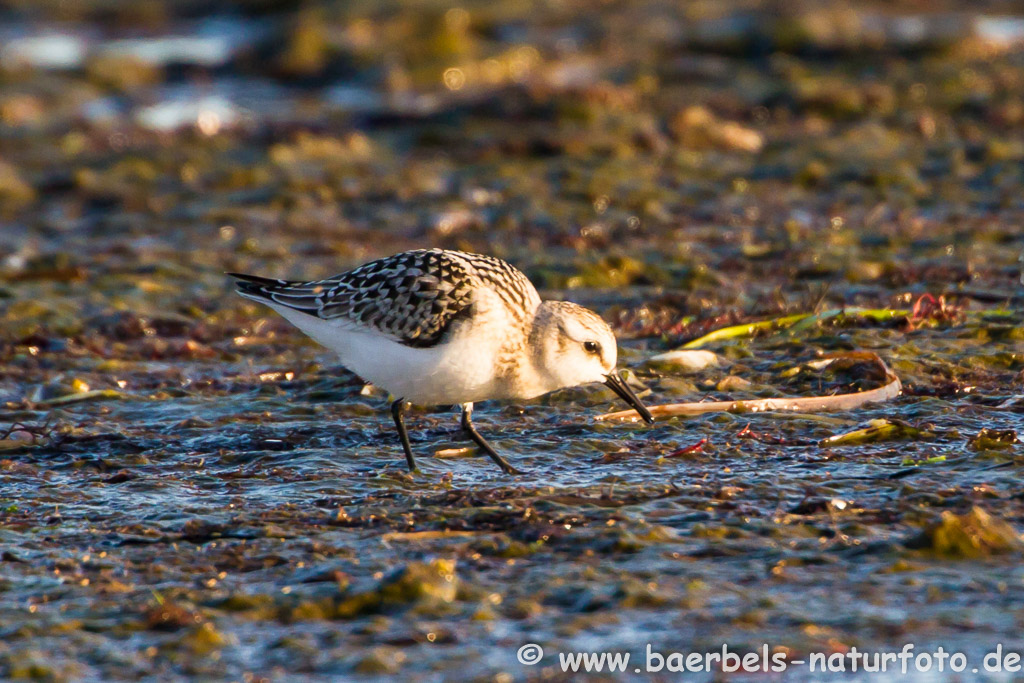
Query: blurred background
[(611, 143), (190, 488)]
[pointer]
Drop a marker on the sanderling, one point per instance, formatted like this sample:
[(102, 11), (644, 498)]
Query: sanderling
[(434, 327)]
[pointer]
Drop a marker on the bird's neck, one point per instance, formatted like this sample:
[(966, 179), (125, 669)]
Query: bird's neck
[(521, 362)]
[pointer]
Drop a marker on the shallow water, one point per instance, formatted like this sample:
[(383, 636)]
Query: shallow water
[(235, 507)]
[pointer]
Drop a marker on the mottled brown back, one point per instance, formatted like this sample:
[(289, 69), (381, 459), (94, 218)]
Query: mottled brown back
[(415, 297)]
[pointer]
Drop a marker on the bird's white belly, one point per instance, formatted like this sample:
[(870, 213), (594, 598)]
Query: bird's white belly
[(458, 371)]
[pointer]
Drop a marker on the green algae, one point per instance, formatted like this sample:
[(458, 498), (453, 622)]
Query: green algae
[(972, 535), (878, 430)]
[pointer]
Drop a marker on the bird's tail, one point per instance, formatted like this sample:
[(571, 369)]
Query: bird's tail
[(257, 288), (296, 295)]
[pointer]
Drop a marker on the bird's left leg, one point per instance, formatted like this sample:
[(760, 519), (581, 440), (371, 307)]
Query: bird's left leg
[(467, 426)]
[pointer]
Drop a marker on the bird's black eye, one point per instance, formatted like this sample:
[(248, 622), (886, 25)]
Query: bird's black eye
[(592, 347)]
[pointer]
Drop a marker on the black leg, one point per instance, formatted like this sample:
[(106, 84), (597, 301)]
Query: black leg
[(467, 426), (397, 411)]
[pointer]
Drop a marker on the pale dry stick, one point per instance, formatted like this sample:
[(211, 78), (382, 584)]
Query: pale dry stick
[(890, 390)]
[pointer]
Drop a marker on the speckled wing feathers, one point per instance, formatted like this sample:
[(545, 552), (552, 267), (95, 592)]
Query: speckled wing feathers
[(414, 297), (514, 288)]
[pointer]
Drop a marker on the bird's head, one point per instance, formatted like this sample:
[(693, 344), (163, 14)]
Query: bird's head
[(572, 346)]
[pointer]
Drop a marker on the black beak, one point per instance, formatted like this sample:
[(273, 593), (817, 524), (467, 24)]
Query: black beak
[(619, 386)]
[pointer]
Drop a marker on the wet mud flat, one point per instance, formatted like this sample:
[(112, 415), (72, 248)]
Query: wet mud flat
[(189, 488)]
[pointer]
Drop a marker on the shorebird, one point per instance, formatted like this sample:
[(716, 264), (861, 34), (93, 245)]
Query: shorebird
[(434, 327)]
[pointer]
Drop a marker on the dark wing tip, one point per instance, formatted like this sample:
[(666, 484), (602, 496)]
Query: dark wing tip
[(254, 279), (253, 286), (287, 293)]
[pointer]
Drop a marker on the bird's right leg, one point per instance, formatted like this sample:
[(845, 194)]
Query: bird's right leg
[(398, 412), (467, 426)]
